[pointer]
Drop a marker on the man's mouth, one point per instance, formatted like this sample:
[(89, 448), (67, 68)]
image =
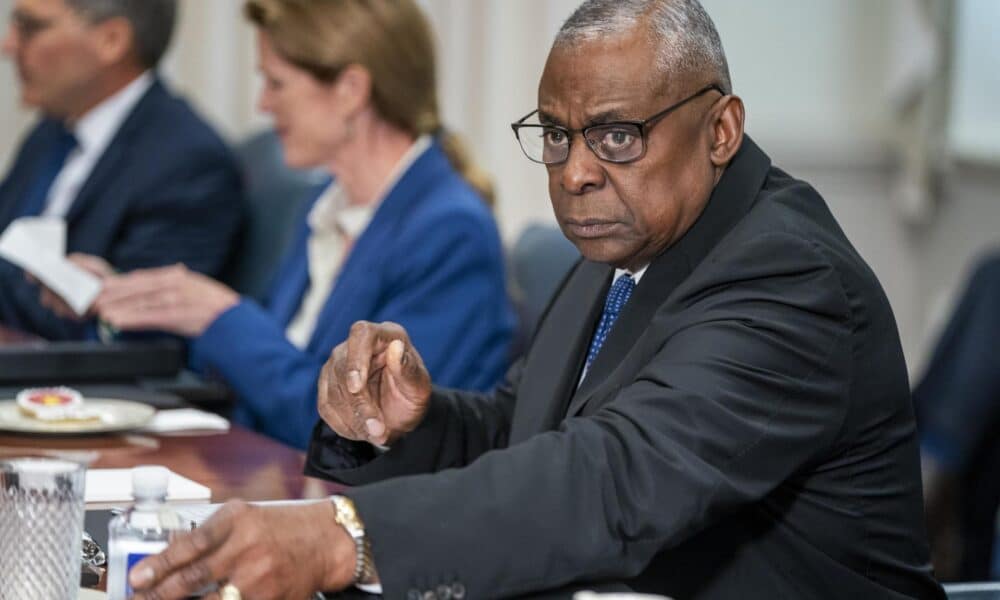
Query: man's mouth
[(591, 228)]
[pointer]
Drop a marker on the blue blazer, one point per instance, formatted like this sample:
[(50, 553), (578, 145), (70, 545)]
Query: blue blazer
[(166, 190), (430, 259)]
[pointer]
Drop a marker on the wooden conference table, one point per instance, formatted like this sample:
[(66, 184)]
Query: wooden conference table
[(235, 464)]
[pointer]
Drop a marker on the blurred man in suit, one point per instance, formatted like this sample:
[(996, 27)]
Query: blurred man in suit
[(714, 405), (139, 178), (957, 404)]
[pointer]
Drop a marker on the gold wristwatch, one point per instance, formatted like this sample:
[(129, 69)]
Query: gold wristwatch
[(347, 517)]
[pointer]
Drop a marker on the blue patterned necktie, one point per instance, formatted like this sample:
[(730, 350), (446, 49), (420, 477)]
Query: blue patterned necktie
[(618, 295), (34, 202)]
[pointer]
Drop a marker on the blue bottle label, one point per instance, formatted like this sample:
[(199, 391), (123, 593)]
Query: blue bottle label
[(130, 561)]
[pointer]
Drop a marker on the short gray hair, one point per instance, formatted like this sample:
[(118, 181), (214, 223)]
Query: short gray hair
[(684, 34), (152, 22)]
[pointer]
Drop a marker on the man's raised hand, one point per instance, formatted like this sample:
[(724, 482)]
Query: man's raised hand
[(374, 387)]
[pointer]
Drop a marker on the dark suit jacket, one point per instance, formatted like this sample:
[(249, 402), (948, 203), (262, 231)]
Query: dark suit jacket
[(745, 432), (166, 190), (430, 259)]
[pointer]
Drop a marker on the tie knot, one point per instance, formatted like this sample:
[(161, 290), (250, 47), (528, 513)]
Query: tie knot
[(619, 294)]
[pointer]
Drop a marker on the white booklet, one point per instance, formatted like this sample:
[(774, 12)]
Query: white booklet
[(112, 488), (38, 245)]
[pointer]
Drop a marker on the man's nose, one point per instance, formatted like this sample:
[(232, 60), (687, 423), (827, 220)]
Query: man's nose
[(11, 41), (582, 172)]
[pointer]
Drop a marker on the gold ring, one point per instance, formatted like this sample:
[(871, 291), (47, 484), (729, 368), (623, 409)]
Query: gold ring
[(230, 592)]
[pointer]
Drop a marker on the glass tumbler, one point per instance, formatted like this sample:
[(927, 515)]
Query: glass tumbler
[(41, 528)]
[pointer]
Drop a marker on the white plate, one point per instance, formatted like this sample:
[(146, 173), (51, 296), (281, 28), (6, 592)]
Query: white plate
[(116, 415)]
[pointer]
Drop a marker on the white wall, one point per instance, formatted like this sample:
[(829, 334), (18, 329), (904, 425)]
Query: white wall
[(812, 73), (975, 131)]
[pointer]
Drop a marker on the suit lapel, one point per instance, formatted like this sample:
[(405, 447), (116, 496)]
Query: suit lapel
[(729, 202), (292, 278), (108, 168), (363, 262), (660, 279), (550, 371), (287, 296)]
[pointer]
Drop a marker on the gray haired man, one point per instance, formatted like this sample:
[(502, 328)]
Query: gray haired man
[(138, 177), (715, 404), (73, 54)]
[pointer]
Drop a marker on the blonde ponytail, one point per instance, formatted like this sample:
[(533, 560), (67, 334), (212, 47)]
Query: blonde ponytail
[(455, 149)]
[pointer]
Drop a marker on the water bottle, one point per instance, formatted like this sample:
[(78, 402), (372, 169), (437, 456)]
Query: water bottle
[(142, 530)]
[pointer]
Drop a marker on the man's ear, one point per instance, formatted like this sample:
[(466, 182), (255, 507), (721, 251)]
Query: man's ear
[(727, 117), (353, 89), (115, 40)]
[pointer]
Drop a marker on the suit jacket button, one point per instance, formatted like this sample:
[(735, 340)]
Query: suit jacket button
[(414, 595), (444, 592), (457, 591)]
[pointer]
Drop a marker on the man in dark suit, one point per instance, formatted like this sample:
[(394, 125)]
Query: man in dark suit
[(139, 178), (714, 405)]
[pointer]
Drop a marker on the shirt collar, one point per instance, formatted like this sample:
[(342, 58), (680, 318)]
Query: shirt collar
[(332, 210), (636, 275), (96, 128)]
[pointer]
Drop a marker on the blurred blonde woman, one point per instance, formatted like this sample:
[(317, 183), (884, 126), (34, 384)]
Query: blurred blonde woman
[(404, 233)]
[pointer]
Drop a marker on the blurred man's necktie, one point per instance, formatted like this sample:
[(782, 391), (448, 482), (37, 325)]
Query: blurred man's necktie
[(34, 202)]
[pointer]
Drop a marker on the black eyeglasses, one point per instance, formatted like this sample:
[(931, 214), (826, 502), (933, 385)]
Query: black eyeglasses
[(616, 142)]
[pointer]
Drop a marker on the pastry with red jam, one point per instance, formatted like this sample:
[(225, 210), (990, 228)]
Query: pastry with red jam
[(53, 405)]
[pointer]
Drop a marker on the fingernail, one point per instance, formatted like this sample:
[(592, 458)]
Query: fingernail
[(353, 382), (141, 576), (375, 428)]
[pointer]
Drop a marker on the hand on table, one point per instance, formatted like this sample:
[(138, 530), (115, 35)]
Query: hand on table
[(171, 299), (375, 386), (95, 265), (265, 552)]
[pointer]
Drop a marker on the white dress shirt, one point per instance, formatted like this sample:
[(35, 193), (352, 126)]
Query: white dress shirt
[(334, 225), (94, 132)]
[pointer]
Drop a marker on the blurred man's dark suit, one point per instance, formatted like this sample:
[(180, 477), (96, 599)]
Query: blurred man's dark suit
[(745, 432), (166, 190)]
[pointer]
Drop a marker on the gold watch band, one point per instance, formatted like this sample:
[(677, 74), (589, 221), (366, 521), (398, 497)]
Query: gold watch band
[(347, 517)]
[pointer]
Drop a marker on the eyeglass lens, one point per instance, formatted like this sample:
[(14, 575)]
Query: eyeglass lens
[(618, 142)]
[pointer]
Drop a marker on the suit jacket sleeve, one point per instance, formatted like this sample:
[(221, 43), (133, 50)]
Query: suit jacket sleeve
[(749, 384), (458, 428), (20, 308), (436, 296)]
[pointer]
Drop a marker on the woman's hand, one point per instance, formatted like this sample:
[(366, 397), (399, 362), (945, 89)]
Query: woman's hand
[(171, 299)]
